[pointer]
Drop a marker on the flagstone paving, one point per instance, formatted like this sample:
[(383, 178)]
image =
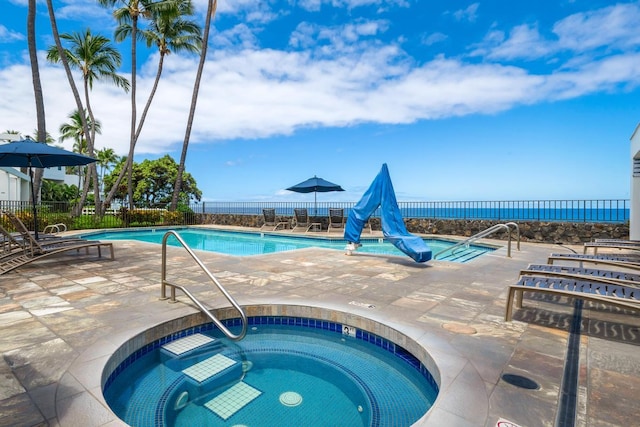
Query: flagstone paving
[(60, 319)]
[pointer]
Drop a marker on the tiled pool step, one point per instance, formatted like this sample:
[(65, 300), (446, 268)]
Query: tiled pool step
[(186, 344), (232, 400), (463, 256), (208, 368)]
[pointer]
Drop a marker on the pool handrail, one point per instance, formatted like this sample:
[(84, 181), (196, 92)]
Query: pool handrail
[(485, 233), (214, 319)]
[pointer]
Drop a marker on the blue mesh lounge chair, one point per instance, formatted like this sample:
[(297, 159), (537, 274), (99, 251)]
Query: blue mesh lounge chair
[(336, 219), (301, 220), (270, 220)]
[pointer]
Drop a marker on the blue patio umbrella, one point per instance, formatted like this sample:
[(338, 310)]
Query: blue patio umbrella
[(315, 185), (32, 154)]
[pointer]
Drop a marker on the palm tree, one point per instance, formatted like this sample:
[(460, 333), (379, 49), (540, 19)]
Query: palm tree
[(41, 134), (170, 32), (97, 59), (75, 131), (211, 10), (129, 15), (107, 157)]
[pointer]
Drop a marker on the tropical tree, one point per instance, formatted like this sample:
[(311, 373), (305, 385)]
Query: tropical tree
[(153, 182), (128, 15), (54, 192), (97, 59), (170, 32), (41, 133), (74, 130), (211, 10), (107, 158)]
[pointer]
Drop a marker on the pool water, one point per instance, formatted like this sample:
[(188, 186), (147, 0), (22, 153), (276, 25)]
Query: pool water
[(282, 375), (246, 244)]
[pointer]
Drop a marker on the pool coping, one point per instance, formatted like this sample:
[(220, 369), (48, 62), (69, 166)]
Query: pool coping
[(87, 371)]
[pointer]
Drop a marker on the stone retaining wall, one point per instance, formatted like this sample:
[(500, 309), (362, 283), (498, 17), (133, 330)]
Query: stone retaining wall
[(530, 231)]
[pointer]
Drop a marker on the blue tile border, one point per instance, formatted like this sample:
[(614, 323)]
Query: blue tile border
[(303, 322)]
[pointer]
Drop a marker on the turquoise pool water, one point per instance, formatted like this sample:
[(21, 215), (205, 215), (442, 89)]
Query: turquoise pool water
[(292, 372), (247, 244)]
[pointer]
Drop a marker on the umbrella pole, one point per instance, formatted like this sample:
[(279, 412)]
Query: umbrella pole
[(33, 199), (315, 202)]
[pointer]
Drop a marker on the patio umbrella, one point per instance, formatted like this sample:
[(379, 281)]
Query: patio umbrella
[(30, 154), (315, 185)]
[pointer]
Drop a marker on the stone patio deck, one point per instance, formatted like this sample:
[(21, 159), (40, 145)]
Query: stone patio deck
[(61, 319)]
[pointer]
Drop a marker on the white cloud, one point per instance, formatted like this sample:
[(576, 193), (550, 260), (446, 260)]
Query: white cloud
[(84, 10), (469, 14), (316, 5), (340, 38), (524, 42), (610, 28), (9, 36), (336, 76), (434, 38), (238, 37)]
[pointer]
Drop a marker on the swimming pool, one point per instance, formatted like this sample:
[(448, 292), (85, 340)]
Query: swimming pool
[(250, 243), (287, 371)]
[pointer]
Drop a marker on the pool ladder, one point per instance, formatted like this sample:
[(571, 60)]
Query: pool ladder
[(493, 229), (173, 286)]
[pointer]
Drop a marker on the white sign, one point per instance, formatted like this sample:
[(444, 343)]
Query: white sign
[(349, 330)]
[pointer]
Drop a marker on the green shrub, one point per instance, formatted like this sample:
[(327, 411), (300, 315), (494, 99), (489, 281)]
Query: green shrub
[(173, 218)]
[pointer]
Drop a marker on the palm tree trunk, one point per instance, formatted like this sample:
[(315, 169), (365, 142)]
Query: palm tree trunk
[(37, 90), (211, 10), (132, 142), (74, 89), (93, 172), (128, 165)]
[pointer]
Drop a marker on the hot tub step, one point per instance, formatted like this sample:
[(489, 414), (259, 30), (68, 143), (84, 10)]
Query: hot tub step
[(208, 368), (186, 344), (231, 401)]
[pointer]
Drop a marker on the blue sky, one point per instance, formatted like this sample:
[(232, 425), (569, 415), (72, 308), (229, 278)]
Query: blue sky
[(487, 100)]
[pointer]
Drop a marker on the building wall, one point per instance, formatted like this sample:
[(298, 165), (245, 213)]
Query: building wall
[(634, 216), (14, 186)]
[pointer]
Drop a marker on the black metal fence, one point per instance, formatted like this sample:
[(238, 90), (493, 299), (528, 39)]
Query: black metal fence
[(601, 210), (610, 210)]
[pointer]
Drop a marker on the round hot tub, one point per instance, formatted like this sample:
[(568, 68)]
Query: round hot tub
[(288, 370)]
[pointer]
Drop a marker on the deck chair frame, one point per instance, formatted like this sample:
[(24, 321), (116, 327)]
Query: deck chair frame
[(270, 220), (617, 261), (301, 219), (603, 291), (34, 250), (336, 219), (627, 278)]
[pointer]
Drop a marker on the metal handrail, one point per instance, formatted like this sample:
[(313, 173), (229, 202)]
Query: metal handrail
[(482, 234), (214, 319)]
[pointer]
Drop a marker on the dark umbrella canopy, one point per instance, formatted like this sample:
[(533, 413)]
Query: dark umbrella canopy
[(315, 185), (29, 153)]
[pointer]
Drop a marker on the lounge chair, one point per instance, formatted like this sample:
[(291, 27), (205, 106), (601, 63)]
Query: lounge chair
[(593, 289), (631, 279), (633, 247), (10, 246), (620, 261), (336, 219), (270, 220), (49, 232), (27, 249), (623, 241), (301, 219)]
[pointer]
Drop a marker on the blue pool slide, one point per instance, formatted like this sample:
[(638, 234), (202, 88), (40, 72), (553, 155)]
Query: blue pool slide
[(381, 193)]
